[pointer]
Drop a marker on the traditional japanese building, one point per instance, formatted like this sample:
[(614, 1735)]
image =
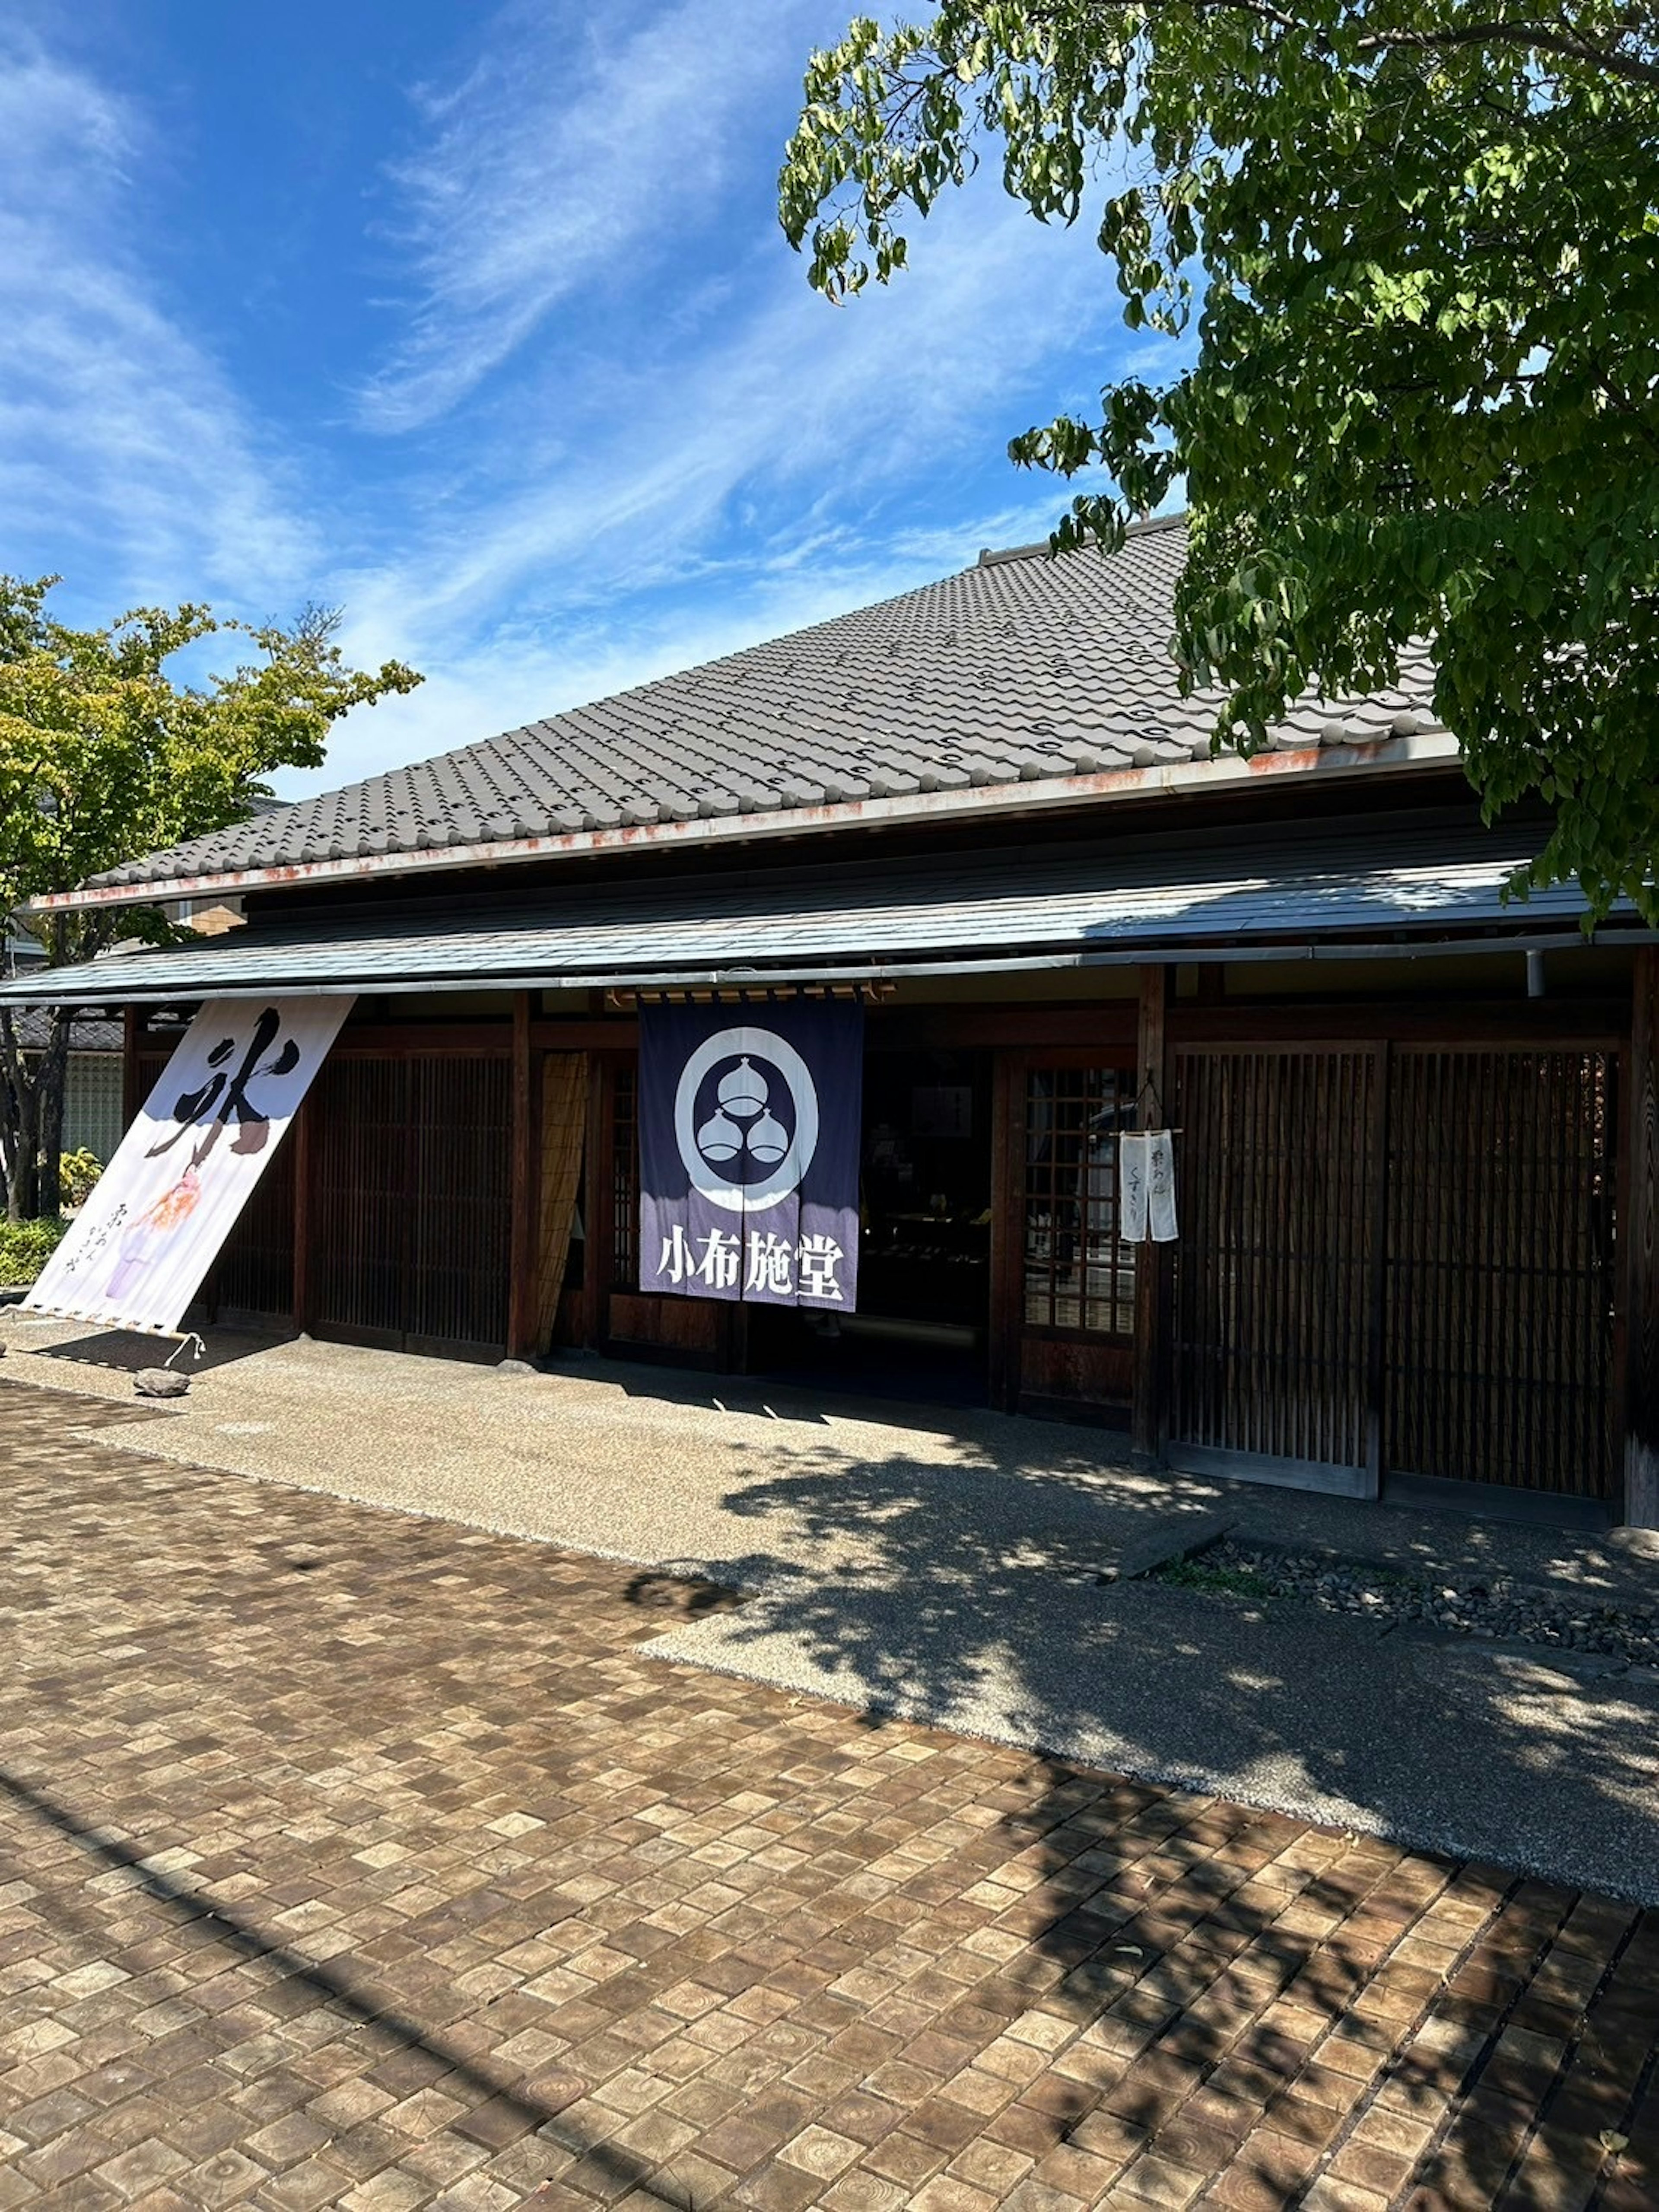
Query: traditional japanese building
[(1416, 1126)]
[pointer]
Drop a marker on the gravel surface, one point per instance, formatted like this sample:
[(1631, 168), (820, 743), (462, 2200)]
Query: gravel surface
[(627, 1463), (1493, 1607), (948, 1566)]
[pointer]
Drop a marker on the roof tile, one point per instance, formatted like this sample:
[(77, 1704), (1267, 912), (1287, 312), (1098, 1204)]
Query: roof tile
[(1020, 670)]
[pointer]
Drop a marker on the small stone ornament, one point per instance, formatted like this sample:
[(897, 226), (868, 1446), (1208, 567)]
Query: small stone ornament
[(160, 1382)]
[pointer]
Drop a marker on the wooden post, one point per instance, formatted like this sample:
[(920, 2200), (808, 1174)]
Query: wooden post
[(1376, 1341), (1152, 1272), (522, 1263), (132, 1030), (1008, 1228), (1642, 1249)]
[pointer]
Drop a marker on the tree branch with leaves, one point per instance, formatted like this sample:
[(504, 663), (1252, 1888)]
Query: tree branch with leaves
[(1405, 254), (104, 754)]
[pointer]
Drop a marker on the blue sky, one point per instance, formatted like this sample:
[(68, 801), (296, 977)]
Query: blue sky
[(479, 323)]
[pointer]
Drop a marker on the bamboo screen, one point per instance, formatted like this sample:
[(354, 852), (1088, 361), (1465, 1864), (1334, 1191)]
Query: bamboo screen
[(563, 1128)]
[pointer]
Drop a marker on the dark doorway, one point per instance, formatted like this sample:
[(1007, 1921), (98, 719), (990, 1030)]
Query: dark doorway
[(921, 1326)]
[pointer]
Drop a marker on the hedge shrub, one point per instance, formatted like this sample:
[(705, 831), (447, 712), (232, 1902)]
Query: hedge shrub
[(76, 1174), (25, 1248)]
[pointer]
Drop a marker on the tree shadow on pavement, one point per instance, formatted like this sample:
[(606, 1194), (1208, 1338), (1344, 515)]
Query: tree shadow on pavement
[(1262, 2005)]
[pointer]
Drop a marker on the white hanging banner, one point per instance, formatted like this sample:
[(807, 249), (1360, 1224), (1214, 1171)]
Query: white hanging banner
[(1131, 1172), (1160, 1185), (136, 1254)]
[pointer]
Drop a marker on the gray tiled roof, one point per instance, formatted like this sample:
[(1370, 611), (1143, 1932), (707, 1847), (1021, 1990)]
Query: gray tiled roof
[(1022, 670), (31, 1024), (1206, 899)]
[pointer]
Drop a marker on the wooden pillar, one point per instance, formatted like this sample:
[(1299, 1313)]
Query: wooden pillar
[(522, 1254), (1642, 1249), (133, 1031), (1153, 1277), (1377, 1327), (1008, 1228)]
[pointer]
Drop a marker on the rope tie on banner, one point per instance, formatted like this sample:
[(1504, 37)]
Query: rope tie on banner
[(189, 1337), (1156, 1120)]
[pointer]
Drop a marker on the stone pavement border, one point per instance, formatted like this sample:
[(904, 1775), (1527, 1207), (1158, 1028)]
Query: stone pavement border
[(348, 1857)]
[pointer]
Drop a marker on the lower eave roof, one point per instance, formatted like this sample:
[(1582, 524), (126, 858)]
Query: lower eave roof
[(1393, 890)]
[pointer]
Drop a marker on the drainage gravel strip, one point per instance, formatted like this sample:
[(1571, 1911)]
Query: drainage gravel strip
[(1488, 1609)]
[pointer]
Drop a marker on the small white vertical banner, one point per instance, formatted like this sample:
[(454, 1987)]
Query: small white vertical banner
[(1131, 1172), (1145, 1186), (1160, 1185), (135, 1255)]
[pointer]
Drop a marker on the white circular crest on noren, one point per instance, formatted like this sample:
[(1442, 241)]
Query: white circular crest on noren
[(760, 1044)]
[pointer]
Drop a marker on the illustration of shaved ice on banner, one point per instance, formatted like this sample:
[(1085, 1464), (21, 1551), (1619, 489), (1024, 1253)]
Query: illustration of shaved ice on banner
[(136, 1254), (749, 1152)]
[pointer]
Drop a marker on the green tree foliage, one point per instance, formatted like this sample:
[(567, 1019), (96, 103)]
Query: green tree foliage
[(1405, 253), (104, 754)]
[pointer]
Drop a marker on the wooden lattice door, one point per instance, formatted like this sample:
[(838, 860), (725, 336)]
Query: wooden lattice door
[(1502, 1286), (409, 1204), (1275, 1276), (1397, 1262)]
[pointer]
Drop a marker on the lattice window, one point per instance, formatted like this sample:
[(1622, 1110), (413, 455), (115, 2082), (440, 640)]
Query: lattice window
[(92, 1104), (1078, 1275), (625, 1179)]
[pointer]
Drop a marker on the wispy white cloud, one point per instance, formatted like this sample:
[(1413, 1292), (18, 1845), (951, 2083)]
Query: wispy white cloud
[(668, 409), (721, 479), (579, 148), (117, 432), (643, 442), (798, 428)]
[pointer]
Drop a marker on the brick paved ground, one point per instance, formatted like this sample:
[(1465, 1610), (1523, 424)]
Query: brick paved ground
[(351, 1858)]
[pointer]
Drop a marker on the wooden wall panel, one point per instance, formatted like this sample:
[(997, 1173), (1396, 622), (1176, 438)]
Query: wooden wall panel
[(253, 1276), (1071, 1368), (460, 1218), (360, 1199), (675, 1324), (524, 1206), (1399, 1260)]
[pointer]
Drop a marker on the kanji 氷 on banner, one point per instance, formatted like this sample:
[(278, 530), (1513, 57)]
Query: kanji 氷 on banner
[(749, 1152), (136, 1256)]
